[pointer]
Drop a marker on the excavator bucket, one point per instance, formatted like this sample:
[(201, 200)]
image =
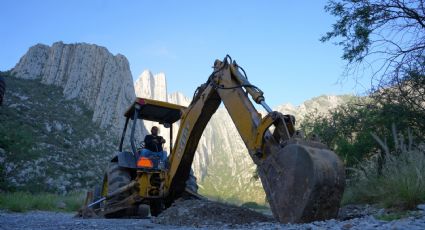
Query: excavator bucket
[(303, 181)]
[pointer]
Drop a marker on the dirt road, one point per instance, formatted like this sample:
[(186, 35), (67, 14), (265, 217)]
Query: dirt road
[(195, 214), (52, 220)]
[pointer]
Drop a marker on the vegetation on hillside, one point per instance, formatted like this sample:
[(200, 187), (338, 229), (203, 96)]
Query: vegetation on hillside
[(48, 143)]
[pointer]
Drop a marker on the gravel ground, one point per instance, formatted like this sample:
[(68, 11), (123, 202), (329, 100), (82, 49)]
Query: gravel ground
[(53, 220)]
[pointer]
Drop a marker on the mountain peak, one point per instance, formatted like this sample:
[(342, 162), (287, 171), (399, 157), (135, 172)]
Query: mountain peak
[(151, 86), (87, 72)]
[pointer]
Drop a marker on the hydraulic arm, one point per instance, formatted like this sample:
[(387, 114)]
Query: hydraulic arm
[(303, 180)]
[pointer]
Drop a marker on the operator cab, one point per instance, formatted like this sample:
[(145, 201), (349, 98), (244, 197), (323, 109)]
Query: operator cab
[(151, 110)]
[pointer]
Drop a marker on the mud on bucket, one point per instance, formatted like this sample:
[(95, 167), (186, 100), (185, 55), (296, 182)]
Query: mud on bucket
[(303, 182)]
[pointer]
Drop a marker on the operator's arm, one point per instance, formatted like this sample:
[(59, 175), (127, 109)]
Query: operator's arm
[(162, 139)]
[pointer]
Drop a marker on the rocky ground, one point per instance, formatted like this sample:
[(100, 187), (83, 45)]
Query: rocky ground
[(211, 215), (198, 213)]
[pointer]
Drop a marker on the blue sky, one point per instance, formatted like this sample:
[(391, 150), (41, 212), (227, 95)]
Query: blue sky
[(277, 42)]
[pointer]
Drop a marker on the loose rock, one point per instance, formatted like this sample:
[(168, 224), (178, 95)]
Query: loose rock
[(197, 213)]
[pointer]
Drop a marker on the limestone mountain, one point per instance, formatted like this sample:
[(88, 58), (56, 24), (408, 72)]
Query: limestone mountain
[(151, 86), (89, 73), (62, 116), (321, 104)]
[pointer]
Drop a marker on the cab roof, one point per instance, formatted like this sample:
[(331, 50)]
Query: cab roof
[(153, 110)]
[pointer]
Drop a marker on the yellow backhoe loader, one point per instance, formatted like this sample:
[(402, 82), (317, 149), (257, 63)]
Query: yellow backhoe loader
[(303, 179)]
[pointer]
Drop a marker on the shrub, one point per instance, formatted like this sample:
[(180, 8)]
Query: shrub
[(396, 180)]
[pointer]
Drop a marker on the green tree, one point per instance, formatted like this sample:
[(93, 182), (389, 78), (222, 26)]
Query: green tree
[(390, 30), (383, 40)]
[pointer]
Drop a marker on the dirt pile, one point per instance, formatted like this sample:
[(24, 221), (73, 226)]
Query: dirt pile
[(198, 213)]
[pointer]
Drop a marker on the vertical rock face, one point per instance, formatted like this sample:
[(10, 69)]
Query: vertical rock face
[(178, 98), (151, 86), (160, 87), (143, 86), (90, 73), (32, 63)]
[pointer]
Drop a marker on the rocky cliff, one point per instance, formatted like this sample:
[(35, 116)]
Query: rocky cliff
[(89, 73), (151, 86), (321, 104)]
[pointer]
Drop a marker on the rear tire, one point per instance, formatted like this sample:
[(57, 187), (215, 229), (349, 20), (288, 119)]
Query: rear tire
[(117, 178)]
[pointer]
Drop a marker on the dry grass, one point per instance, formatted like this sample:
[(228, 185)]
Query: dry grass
[(24, 201), (401, 182)]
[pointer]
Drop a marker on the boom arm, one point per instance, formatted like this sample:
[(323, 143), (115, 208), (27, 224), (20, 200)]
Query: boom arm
[(225, 84)]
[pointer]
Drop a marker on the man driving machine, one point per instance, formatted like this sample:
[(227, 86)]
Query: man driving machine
[(153, 145), (153, 142)]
